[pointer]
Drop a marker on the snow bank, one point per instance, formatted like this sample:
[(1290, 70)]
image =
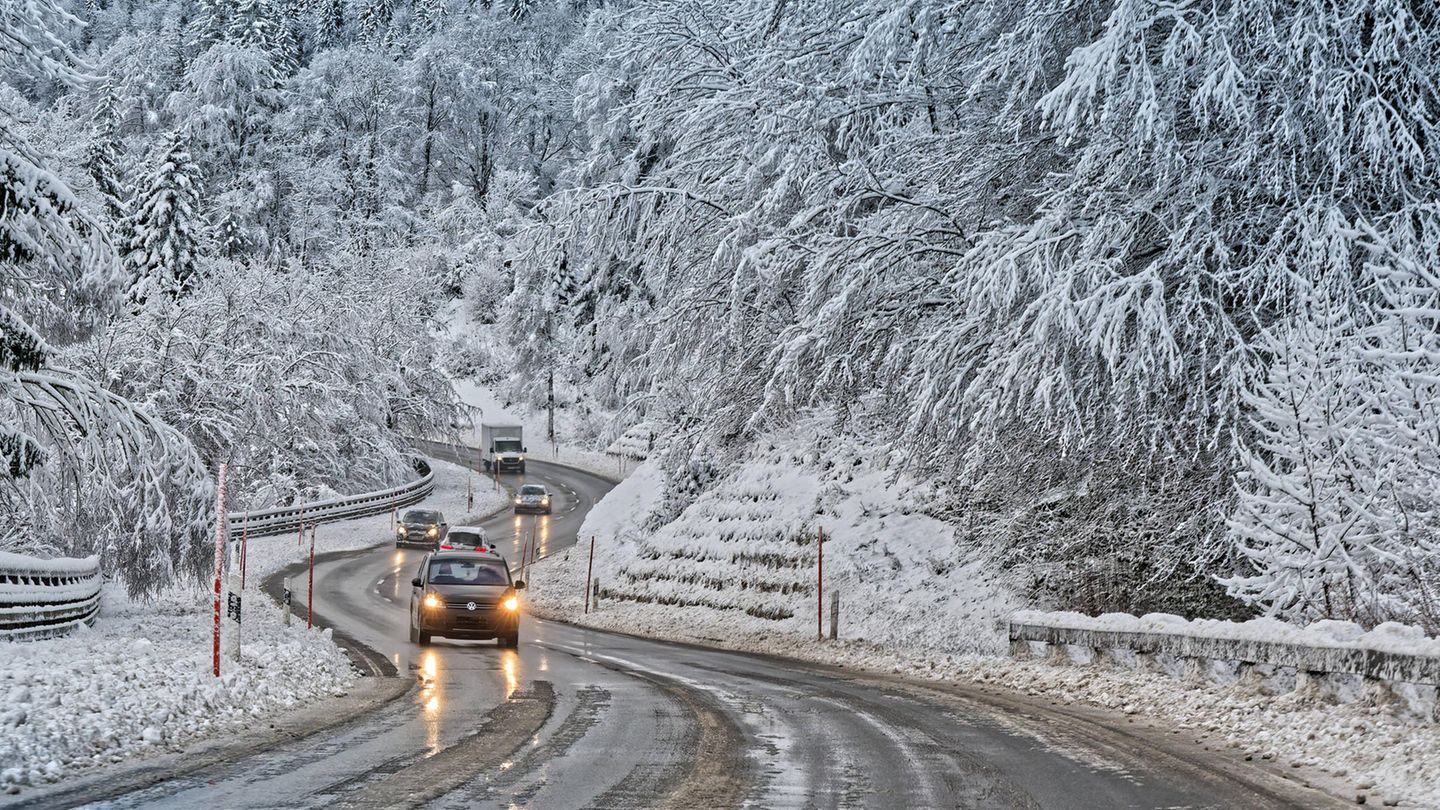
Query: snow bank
[(140, 680), (739, 562)]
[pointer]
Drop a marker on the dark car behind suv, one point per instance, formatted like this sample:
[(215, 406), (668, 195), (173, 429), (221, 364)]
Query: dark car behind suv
[(425, 528), (465, 594)]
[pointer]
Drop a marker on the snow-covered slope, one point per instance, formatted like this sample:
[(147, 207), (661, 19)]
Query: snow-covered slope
[(740, 561)]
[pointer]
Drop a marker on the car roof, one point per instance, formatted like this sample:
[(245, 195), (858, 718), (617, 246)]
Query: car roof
[(480, 530), (466, 556)]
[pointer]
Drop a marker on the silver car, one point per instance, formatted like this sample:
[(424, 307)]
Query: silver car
[(533, 498)]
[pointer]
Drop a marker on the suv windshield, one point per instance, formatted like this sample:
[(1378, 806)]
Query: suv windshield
[(465, 572), (507, 445), (422, 516), (532, 489)]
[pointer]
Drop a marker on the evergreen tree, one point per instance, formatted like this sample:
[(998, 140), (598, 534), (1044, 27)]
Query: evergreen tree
[(328, 23), (375, 18), (252, 24), (103, 159), (163, 244), (212, 24), (521, 9)]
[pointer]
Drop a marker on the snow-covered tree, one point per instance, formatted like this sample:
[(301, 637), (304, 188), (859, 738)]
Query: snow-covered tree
[(164, 228), (104, 158), (87, 468)]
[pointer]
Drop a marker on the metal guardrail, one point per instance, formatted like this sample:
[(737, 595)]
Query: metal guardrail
[(291, 518), (44, 598), (1305, 659)]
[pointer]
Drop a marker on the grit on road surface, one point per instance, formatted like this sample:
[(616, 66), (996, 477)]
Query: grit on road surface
[(584, 719)]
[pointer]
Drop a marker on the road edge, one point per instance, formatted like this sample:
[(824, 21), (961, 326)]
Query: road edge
[(1075, 718)]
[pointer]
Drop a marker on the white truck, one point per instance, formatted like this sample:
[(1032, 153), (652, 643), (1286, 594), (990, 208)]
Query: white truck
[(502, 447)]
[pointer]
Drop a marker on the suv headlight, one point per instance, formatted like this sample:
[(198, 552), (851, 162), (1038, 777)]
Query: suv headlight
[(400, 530), (512, 603), (431, 532), (431, 601)]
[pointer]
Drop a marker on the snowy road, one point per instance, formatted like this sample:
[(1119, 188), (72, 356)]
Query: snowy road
[(580, 718)]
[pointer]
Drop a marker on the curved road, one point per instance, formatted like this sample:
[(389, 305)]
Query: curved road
[(584, 719)]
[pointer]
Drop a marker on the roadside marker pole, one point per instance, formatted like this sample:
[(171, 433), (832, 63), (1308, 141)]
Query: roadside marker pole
[(300, 535), (310, 598), (589, 569), (820, 586), (834, 615), (219, 556), (286, 604), (244, 548)]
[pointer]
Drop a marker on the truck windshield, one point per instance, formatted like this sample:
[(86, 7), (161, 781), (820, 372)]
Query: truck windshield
[(507, 445)]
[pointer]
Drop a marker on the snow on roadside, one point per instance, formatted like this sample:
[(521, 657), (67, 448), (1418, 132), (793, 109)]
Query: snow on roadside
[(910, 608), (140, 680), (738, 564)]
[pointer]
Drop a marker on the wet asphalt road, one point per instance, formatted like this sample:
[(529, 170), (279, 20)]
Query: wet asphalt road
[(583, 719)]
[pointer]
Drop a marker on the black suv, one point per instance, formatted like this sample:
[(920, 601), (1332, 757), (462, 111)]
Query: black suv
[(465, 594), (421, 527)]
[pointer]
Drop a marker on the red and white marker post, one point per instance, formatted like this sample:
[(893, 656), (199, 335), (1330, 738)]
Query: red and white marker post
[(310, 598), (219, 556)]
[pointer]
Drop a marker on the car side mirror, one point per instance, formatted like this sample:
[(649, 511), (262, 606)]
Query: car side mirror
[(519, 584), (524, 449), (415, 582)]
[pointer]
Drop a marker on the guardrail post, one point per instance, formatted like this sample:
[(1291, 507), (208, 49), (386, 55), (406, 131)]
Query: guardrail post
[(834, 615), (1307, 684), (1019, 649), (1057, 654), (1250, 676)]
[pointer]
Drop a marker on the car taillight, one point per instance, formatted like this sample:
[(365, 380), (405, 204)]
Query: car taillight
[(447, 547)]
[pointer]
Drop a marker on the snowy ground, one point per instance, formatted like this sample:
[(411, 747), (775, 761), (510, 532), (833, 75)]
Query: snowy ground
[(736, 569), (140, 680)]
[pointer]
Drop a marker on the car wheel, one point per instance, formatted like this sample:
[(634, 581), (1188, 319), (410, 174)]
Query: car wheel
[(414, 633), (510, 642), (423, 638)]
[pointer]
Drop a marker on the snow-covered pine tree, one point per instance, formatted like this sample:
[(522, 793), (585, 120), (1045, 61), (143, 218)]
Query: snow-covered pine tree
[(252, 24), (374, 20), (163, 247), (327, 23), (212, 23), (520, 10), (103, 159)]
